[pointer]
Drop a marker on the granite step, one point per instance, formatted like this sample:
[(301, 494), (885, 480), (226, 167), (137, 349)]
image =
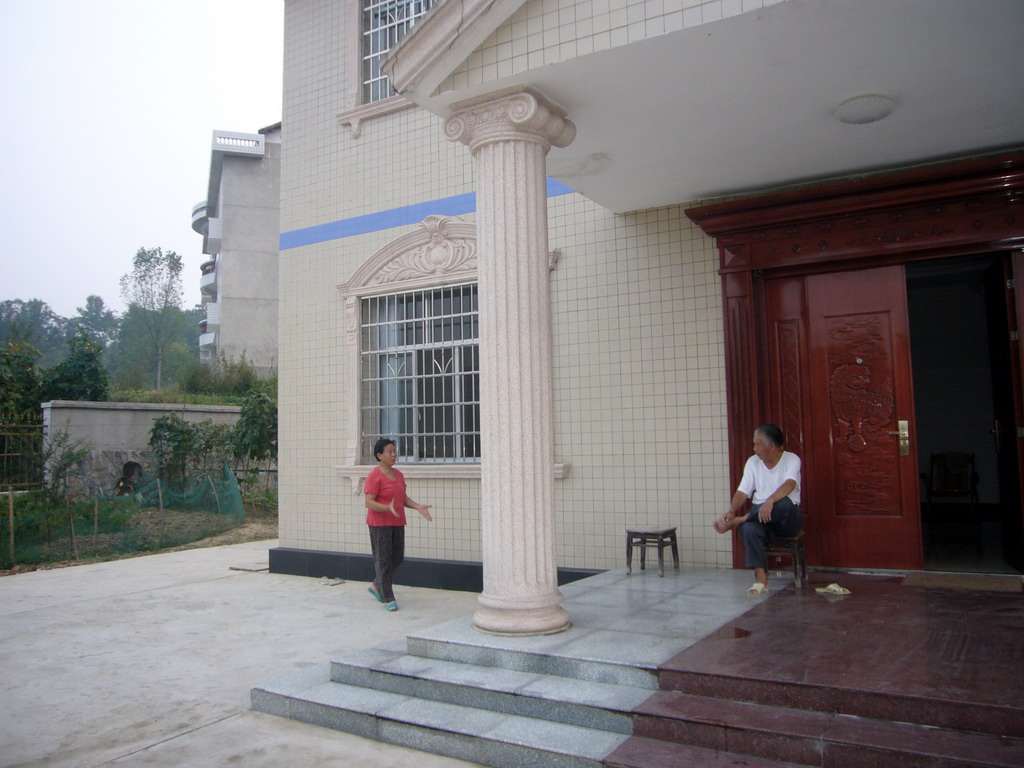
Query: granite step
[(604, 706), (466, 733), (530, 655), (940, 711), (817, 738)]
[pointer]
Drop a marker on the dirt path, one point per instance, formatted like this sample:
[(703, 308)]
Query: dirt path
[(254, 530)]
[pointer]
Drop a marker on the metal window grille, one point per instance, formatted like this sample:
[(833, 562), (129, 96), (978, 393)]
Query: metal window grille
[(385, 22), (420, 371)]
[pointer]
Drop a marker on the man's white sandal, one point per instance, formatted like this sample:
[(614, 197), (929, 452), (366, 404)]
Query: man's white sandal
[(757, 589), (833, 589)]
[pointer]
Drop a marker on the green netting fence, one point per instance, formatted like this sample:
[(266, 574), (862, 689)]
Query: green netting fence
[(146, 515)]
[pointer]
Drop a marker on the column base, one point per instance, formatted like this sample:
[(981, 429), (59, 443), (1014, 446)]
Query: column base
[(522, 621)]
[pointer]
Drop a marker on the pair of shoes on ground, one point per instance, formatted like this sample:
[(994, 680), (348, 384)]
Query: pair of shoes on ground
[(757, 589), (390, 606)]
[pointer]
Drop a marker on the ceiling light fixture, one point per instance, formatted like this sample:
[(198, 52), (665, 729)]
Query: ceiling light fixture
[(869, 108)]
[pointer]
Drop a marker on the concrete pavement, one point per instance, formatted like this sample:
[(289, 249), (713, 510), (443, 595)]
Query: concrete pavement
[(149, 661)]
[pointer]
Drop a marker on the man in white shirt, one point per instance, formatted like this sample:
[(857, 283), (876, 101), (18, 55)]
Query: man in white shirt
[(771, 479)]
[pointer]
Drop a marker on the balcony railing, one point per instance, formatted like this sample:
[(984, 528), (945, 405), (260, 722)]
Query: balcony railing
[(208, 284), (234, 143), (199, 211), (207, 341)]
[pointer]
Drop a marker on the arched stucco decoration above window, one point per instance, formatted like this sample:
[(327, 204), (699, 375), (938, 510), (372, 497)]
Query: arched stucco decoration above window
[(440, 251)]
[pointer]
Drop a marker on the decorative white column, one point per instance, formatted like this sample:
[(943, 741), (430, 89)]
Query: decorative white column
[(509, 134)]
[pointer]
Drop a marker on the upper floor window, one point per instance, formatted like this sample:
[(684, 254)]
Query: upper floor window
[(420, 373), (385, 22)]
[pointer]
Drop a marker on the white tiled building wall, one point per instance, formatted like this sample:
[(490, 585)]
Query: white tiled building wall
[(639, 374), (639, 382)]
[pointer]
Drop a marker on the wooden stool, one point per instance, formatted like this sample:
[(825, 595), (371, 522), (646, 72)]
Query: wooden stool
[(651, 536), (793, 547)]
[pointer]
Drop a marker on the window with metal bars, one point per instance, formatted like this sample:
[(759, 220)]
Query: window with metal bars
[(420, 371), (385, 22)]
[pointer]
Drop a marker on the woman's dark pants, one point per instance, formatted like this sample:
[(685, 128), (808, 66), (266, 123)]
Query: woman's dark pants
[(387, 542)]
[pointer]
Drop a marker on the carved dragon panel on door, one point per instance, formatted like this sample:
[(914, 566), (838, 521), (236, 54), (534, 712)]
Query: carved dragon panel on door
[(861, 399)]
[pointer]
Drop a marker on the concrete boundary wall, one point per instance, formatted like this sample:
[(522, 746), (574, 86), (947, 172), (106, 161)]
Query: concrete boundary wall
[(118, 433)]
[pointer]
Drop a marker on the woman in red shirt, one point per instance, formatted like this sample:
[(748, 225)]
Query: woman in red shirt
[(386, 500)]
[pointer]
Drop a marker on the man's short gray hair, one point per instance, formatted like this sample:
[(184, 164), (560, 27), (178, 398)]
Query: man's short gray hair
[(772, 434)]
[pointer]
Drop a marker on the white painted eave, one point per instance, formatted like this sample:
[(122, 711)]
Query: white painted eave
[(440, 42)]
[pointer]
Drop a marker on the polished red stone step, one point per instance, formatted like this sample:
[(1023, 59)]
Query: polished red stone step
[(997, 719), (809, 737), (638, 752)]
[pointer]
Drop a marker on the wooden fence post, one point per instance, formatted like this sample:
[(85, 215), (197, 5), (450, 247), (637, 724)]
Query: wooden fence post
[(10, 520)]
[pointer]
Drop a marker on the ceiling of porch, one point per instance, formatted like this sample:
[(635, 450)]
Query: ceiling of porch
[(749, 102)]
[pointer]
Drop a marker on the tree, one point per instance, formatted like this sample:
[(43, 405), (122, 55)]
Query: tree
[(81, 376), (131, 359), (154, 286), (96, 320), (19, 378), (33, 322)]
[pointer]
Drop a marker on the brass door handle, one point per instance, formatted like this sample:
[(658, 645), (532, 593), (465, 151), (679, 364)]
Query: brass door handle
[(903, 430)]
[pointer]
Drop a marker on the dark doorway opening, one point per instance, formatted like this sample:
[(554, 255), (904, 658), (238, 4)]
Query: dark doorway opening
[(964, 408)]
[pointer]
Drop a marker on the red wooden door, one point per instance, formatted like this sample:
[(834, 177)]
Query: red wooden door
[(865, 499)]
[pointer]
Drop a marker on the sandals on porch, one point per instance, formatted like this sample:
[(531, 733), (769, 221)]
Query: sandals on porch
[(757, 589), (832, 589)]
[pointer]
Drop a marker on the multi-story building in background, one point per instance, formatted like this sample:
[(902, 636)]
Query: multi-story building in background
[(239, 224)]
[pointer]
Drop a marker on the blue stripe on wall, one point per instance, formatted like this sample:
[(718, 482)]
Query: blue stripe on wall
[(556, 188), (396, 217)]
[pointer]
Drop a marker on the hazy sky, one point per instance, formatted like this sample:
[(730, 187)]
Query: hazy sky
[(109, 107)]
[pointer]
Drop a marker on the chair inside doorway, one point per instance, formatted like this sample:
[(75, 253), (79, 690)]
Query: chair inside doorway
[(951, 476)]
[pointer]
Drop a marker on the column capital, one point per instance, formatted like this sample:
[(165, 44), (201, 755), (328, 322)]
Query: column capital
[(520, 113)]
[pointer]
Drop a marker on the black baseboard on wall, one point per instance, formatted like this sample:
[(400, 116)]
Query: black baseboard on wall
[(459, 575)]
